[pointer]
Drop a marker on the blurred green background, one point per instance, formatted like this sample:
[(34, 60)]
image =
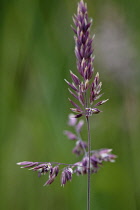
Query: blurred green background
[(36, 53)]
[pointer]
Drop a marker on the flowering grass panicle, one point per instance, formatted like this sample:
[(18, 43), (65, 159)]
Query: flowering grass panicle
[(85, 58), (86, 90), (80, 149)]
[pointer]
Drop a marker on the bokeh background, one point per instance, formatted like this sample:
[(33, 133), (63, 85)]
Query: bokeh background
[(36, 53)]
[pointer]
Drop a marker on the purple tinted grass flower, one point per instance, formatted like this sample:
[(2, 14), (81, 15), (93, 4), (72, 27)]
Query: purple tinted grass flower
[(79, 126), (83, 42), (83, 52), (80, 147), (72, 120), (27, 164), (66, 176), (70, 135), (97, 158), (53, 174), (86, 91), (79, 168), (85, 58)]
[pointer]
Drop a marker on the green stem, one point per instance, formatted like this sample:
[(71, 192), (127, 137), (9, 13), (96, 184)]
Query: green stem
[(88, 179)]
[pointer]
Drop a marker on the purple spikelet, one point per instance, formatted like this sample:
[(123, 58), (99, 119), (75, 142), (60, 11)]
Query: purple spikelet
[(83, 42)]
